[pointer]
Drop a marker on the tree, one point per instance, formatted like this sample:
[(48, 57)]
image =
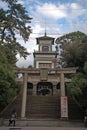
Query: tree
[(13, 22), (71, 38), (74, 54), (7, 86), (77, 89), (85, 68), (7, 80), (73, 49)]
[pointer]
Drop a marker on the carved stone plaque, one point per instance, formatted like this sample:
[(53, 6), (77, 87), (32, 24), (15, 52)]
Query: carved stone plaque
[(44, 74)]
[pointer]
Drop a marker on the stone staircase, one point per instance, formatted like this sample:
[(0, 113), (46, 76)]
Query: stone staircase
[(43, 107), (37, 107)]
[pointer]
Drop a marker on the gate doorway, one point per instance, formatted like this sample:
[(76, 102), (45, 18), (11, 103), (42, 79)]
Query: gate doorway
[(44, 88)]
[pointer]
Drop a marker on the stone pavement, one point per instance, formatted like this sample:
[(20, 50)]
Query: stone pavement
[(43, 128), (44, 125)]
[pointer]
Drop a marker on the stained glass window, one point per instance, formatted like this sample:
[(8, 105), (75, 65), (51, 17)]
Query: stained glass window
[(45, 48)]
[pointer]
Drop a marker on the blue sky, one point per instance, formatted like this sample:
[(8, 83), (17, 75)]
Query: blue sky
[(58, 17)]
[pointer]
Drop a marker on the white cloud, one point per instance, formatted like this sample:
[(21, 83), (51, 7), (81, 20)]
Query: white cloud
[(3, 4), (76, 10), (75, 17), (69, 11), (74, 6), (25, 63), (30, 46), (51, 10), (21, 2)]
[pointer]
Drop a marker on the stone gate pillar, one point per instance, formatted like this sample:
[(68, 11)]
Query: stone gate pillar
[(64, 101), (62, 84), (24, 95), (34, 89), (54, 89)]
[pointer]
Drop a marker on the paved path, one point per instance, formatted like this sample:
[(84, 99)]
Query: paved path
[(44, 125), (42, 128)]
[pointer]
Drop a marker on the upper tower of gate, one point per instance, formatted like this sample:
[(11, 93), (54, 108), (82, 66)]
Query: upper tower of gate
[(44, 57)]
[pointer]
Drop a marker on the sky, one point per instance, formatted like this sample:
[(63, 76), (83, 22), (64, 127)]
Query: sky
[(57, 17)]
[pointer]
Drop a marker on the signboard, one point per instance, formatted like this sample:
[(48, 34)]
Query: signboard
[(64, 107), (44, 74)]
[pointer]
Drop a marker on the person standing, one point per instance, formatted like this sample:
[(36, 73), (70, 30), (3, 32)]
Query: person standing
[(12, 119), (85, 117)]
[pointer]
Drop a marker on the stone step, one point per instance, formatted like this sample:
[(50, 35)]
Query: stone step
[(42, 106)]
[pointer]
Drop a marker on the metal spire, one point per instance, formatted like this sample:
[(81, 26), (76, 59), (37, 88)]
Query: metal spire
[(45, 28)]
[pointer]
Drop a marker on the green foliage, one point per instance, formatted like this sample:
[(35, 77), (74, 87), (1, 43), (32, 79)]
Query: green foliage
[(71, 38), (77, 89), (78, 82), (15, 19), (30, 66), (74, 54), (74, 49), (14, 22), (7, 85), (85, 68)]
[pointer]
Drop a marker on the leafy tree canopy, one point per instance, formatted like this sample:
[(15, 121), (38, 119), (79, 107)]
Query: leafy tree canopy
[(7, 80), (74, 48), (14, 21), (72, 37), (74, 54)]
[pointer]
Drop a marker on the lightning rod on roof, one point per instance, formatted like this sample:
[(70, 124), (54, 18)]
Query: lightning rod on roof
[(45, 28)]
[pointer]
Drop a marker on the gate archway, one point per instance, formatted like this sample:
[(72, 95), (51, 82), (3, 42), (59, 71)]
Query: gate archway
[(44, 88)]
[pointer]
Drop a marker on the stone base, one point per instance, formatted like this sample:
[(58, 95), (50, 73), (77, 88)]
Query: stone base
[(64, 118), (23, 118)]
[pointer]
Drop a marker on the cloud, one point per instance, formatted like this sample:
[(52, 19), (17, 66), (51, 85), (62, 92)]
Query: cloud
[(74, 6), (51, 10), (21, 2), (25, 63), (76, 10), (3, 4), (68, 15), (76, 15), (30, 46)]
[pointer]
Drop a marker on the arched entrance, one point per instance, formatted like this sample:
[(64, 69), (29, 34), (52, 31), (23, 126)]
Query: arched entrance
[(44, 88), (58, 89), (29, 88)]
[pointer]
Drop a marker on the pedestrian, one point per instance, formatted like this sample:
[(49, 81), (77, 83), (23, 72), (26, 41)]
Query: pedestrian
[(12, 119), (85, 115)]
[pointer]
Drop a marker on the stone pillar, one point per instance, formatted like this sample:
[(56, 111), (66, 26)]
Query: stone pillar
[(54, 89), (64, 101), (34, 89), (24, 95), (62, 84)]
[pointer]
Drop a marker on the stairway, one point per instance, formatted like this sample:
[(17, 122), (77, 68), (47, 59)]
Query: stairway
[(38, 107), (43, 107)]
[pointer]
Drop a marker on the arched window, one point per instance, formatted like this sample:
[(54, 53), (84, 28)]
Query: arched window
[(45, 48)]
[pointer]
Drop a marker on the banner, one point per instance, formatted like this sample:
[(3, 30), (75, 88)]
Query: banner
[(64, 107)]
